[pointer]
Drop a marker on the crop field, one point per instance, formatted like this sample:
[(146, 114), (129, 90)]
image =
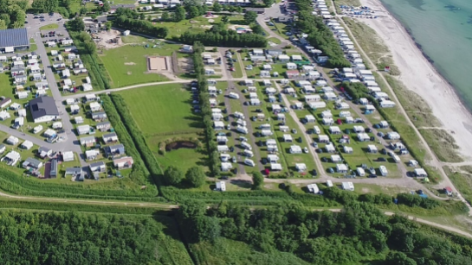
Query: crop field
[(163, 113), (127, 65)]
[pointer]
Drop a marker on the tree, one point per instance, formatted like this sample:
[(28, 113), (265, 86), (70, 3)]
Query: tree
[(239, 9), (253, 2), (3, 25), (257, 180), (165, 16), (399, 258), (90, 47), (179, 14), (250, 17), (142, 16), (257, 29), (193, 12), (108, 25), (193, 2), (77, 24), (268, 3), (173, 176), (216, 7), (83, 11), (106, 6), (195, 177), (225, 19)]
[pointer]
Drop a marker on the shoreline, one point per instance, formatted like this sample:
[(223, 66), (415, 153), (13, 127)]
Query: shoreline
[(420, 75)]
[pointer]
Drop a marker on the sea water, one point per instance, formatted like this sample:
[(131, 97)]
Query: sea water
[(443, 30)]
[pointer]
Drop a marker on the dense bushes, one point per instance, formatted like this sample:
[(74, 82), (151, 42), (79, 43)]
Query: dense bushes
[(73, 238), (357, 233), (141, 145), (223, 38), (126, 18), (319, 35), (204, 97)]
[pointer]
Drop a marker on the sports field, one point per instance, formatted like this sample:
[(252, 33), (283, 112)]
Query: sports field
[(127, 65)]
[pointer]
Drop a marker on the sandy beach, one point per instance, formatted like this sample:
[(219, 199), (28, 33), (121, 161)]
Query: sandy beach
[(418, 74)]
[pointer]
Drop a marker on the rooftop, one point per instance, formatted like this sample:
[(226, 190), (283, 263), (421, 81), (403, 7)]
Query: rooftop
[(14, 38), (43, 106)]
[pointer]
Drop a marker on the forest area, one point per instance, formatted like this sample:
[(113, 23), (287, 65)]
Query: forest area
[(227, 233), (359, 234)]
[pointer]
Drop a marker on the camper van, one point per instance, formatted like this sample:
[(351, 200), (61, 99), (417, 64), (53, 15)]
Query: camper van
[(246, 146), (249, 162), (242, 129), (248, 153), (316, 129), (233, 95)]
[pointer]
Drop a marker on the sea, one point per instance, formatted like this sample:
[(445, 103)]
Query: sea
[(443, 31)]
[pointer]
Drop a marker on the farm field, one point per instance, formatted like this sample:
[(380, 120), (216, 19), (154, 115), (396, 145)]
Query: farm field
[(163, 113), (127, 65)]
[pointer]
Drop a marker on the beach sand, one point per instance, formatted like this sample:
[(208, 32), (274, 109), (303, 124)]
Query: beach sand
[(418, 74)]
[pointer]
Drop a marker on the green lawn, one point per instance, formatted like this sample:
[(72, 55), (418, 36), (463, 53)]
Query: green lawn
[(127, 65), (274, 40), (162, 109), (49, 26), (164, 112)]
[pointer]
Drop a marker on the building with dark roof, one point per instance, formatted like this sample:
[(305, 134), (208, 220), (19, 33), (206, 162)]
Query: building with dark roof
[(43, 109), (53, 169), (12, 40)]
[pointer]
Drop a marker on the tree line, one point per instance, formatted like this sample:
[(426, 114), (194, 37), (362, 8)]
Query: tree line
[(221, 37), (127, 19), (319, 35), (204, 97), (358, 233)]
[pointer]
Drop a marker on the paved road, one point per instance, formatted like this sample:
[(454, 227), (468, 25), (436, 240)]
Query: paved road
[(71, 142), (242, 99)]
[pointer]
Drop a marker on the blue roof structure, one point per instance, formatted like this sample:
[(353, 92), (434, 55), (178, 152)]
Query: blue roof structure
[(13, 38)]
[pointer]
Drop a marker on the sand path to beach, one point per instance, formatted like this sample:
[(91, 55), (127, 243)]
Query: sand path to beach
[(419, 75)]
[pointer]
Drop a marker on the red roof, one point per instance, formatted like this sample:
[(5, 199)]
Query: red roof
[(448, 189)]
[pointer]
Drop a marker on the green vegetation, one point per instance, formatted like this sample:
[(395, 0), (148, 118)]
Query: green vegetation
[(319, 35), (257, 180), (128, 18), (462, 179), (274, 40), (372, 45), (443, 144), (12, 13), (49, 26), (416, 107), (204, 97), (128, 65), (146, 154), (227, 251), (359, 233), (72, 238), (224, 38), (163, 116)]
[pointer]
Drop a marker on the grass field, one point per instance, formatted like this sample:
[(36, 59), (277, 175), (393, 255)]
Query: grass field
[(127, 65), (274, 40), (49, 26), (443, 144), (162, 113)]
